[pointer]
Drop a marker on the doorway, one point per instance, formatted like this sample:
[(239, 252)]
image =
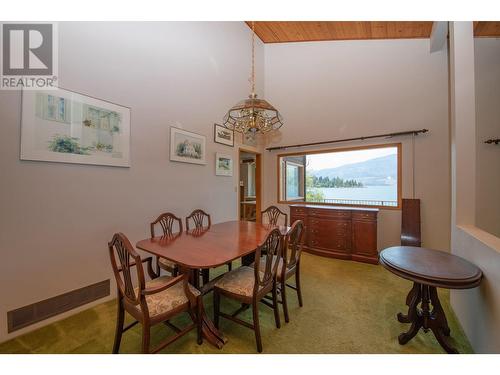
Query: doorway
[(249, 185)]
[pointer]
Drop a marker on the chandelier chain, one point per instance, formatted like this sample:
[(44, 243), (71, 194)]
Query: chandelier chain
[(253, 57)]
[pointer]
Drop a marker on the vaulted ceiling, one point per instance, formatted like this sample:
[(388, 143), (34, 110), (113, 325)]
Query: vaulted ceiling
[(306, 31)]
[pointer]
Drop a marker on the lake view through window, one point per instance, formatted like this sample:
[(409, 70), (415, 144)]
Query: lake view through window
[(366, 176)]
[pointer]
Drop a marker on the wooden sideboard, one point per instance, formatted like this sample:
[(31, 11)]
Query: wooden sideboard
[(339, 232)]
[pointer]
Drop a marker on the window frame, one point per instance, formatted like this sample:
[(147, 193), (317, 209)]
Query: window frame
[(285, 184), (326, 151)]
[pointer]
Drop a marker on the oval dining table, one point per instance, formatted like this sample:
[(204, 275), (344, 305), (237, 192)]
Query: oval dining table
[(207, 248), (428, 269)]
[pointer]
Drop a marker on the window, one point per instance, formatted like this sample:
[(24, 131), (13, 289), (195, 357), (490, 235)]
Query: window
[(292, 177), (53, 108), (365, 176)]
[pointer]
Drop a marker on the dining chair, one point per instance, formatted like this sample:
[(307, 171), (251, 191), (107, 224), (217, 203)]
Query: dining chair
[(198, 217), (150, 302), (166, 221), (249, 286), (273, 214), (289, 265)]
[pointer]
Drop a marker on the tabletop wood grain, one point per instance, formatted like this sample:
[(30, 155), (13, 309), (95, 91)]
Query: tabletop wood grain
[(211, 246), (431, 267)]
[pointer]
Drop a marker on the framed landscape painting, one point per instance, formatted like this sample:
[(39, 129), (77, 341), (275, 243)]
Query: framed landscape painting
[(187, 147), (68, 127), (223, 135), (223, 165)]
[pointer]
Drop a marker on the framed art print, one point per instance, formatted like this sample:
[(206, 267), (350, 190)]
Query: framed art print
[(68, 127), (223, 165), (187, 147), (223, 135)]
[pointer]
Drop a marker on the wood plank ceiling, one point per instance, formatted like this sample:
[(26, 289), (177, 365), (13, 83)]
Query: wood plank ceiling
[(306, 31)]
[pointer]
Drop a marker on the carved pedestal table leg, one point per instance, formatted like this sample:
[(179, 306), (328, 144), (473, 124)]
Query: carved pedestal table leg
[(412, 300), (210, 333), (424, 317)]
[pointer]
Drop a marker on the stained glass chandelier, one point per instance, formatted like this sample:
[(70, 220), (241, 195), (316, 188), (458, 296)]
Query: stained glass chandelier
[(253, 115)]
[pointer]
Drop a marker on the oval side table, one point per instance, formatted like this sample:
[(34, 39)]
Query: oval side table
[(428, 269)]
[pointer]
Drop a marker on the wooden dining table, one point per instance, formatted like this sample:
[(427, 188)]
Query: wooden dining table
[(207, 248)]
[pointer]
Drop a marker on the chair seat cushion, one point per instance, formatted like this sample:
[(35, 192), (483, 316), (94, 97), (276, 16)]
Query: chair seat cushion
[(240, 281), (166, 264), (168, 299)]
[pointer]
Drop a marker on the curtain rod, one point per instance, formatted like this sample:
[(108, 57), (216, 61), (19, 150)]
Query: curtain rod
[(490, 141), (389, 135)]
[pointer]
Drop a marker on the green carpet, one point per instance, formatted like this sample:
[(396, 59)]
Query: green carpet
[(349, 307)]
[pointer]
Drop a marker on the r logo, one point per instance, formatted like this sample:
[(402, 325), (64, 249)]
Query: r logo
[(27, 49)]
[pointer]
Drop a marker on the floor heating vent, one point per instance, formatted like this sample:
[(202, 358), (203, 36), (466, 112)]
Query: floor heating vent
[(38, 311)]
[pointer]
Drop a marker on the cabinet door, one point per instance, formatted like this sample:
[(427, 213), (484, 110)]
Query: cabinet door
[(330, 235), (364, 238)]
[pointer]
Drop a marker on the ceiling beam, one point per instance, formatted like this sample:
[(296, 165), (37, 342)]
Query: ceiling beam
[(439, 34)]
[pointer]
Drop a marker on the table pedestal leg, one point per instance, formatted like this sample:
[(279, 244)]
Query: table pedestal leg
[(210, 333), (412, 301), (438, 311), (424, 317)]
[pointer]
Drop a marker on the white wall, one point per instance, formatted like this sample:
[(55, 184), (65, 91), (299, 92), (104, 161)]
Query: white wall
[(477, 309), (343, 89), (56, 219), (487, 87)]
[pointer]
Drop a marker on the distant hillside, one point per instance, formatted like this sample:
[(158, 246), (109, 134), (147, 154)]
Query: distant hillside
[(378, 171)]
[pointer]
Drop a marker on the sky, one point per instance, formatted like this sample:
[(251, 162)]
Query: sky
[(339, 158)]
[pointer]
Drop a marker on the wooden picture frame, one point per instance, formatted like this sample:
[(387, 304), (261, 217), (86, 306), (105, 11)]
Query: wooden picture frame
[(223, 135), (223, 165), (187, 147)]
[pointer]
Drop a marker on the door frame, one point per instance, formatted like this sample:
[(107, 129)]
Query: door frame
[(258, 182)]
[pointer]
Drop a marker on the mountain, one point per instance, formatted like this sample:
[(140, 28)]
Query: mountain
[(374, 172)]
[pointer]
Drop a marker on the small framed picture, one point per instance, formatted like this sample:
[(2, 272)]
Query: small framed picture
[(223, 135), (223, 165), (187, 147)]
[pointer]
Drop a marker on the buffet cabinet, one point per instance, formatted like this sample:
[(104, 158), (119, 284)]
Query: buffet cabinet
[(339, 232)]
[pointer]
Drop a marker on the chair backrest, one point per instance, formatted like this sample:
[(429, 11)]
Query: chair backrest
[(198, 217), (121, 248), (167, 221), (273, 213), (410, 223), (293, 244), (271, 248)]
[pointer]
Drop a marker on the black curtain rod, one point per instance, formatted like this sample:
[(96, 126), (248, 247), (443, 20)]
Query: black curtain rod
[(495, 141), (389, 135)]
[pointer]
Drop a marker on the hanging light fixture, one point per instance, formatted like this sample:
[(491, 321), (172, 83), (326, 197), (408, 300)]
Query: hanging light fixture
[(253, 115)]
